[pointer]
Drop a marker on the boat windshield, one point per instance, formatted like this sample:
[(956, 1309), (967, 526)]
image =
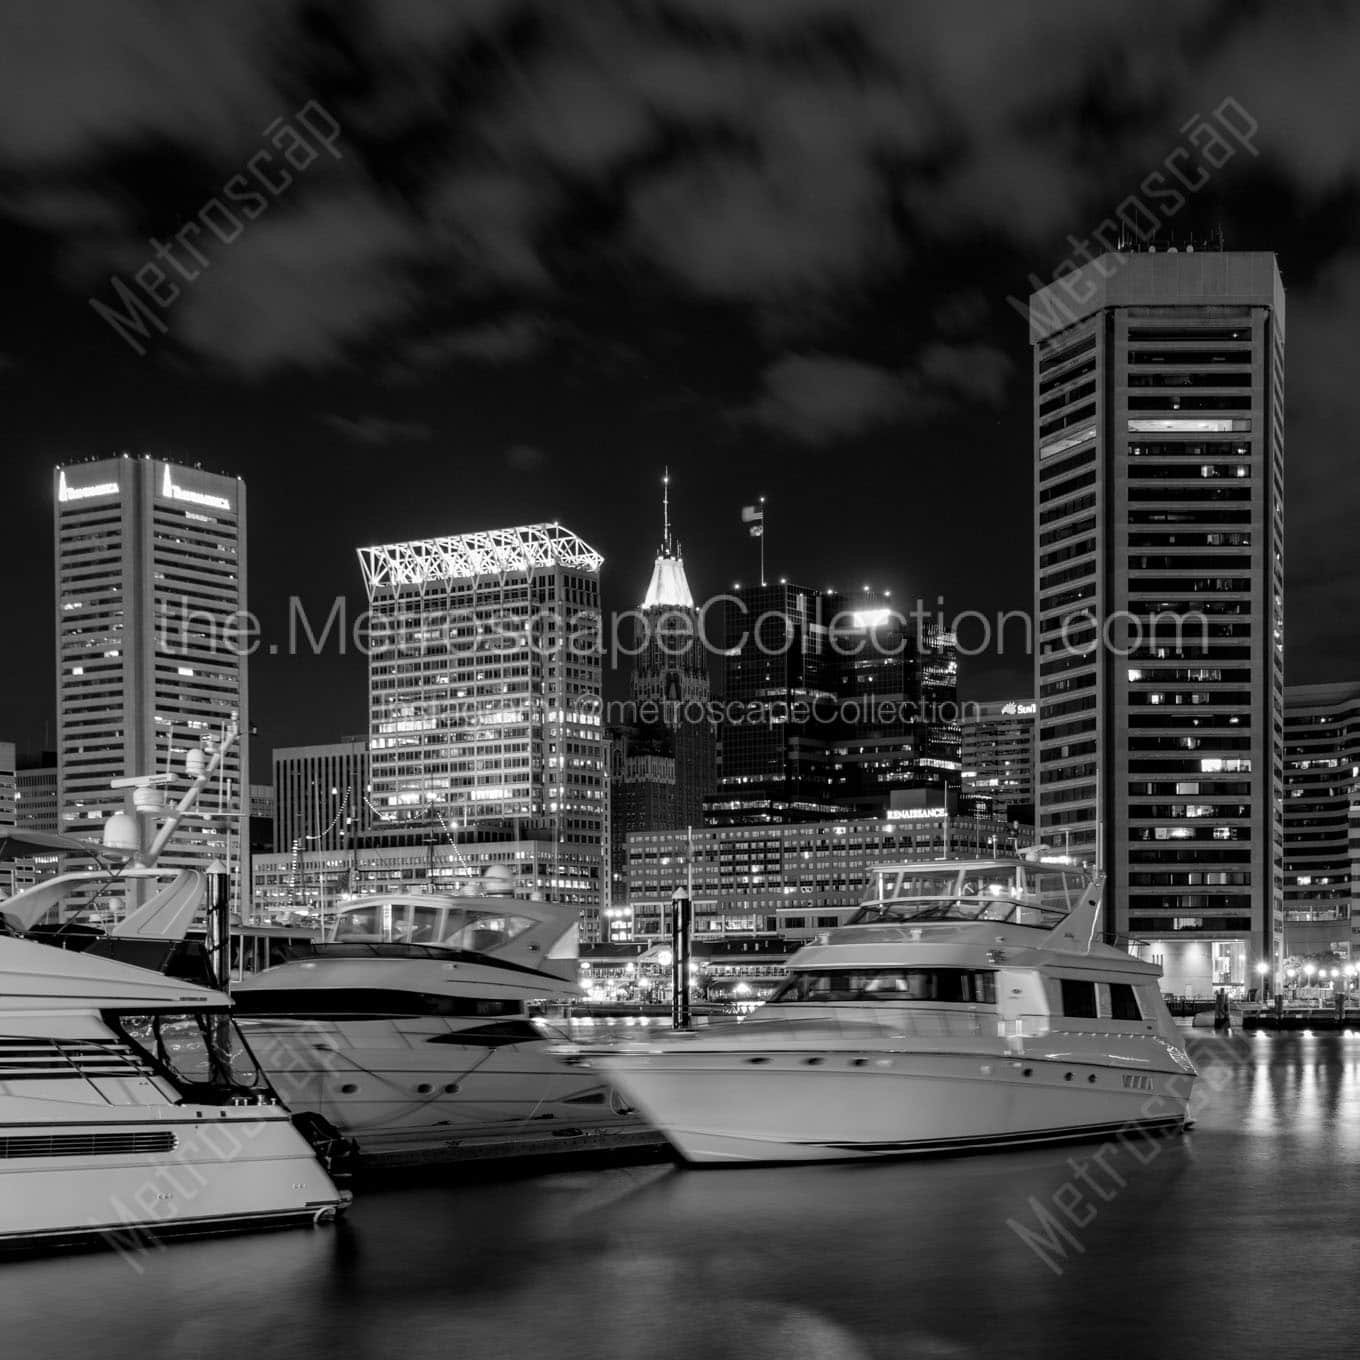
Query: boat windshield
[(479, 929), (203, 1053), (1038, 895)]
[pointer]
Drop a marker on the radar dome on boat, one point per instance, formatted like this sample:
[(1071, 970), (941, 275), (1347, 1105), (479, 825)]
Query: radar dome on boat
[(121, 832), (498, 878)]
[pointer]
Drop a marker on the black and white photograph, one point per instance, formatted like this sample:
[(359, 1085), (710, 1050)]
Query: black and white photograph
[(679, 679)]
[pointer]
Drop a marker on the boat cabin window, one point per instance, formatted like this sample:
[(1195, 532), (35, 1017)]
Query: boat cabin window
[(1078, 998), (1123, 1002), (479, 929), (960, 986)]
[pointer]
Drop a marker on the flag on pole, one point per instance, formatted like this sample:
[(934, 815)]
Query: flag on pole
[(754, 516)]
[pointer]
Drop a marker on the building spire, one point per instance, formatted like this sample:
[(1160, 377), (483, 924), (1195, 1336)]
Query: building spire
[(668, 587)]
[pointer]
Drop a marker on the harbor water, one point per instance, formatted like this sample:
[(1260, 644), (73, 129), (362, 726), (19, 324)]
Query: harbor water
[(1240, 1238)]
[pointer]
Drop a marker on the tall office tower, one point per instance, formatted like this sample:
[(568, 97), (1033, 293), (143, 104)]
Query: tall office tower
[(1159, 489), (8, 800), (644, 795), (670, 684), (940, 728), (151, 642), (35, 793), (485, 694), (262, 819), (320, 795), (875, 746), (778, 667), (998, 754), (35, 809), (1321, 767), (8, 785)]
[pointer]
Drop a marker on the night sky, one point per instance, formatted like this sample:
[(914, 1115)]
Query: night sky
[(557, 247)]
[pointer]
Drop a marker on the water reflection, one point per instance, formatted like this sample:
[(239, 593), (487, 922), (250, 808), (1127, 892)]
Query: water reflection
[(1125, 1249)]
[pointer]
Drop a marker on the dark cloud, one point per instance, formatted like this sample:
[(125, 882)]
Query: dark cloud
[(975, 371), (525, 458), (504, 160), (813, 398), (506, 340), (376, 431), (302, 284), (816, 398)]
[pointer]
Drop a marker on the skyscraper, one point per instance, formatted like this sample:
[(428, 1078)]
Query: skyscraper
[(8, 785), (998, 753), (940, 723), (320, 795), (1159, 488), (485, 694), (670, 684), (151, 638), (876, 736), (663, 763), (779, 678), (8, 804)]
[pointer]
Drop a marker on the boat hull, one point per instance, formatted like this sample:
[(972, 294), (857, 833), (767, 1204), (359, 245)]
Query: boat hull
[(811, 1105), (128, 1180), (407, 1090)]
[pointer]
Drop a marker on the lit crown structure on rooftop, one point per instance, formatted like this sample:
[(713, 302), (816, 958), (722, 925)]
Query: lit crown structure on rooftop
[(669, 587), (489, 552)]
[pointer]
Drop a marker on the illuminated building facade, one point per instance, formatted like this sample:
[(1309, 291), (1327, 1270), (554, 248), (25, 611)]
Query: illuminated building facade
[(795, 879), (1159, 491), (997, 752), (1321, 767), (485, 695), (151, 640)]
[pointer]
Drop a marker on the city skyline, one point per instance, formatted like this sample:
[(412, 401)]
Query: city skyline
[(586, 324)]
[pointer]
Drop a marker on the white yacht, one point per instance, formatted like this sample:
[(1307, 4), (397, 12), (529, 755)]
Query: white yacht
[(415, 1029), (130, 1106), (131, 1109), (971, 1004)]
